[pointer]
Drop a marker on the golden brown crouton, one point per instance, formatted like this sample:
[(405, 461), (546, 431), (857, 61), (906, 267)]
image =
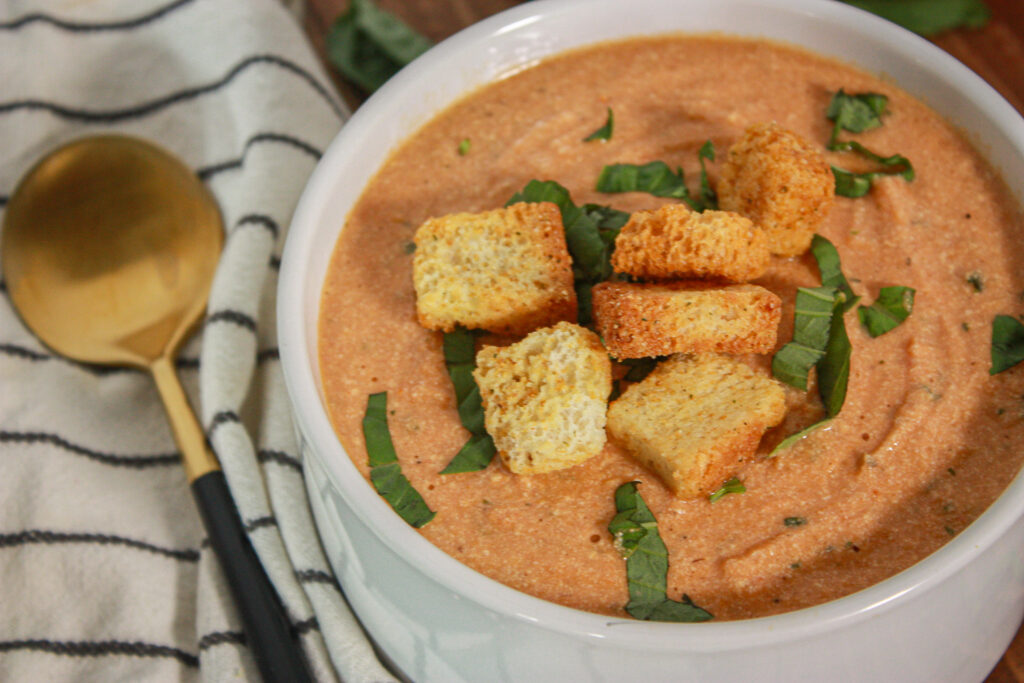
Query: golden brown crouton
[(674, 242), (781, 182), (507, 270), (636, 321), (545, 398), (695, 418)]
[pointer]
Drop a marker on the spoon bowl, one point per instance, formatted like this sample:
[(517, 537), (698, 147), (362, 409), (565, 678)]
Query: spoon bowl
[(109, 249)]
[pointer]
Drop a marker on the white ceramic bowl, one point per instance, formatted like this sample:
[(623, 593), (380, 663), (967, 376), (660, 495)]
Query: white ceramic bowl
[(948, 618)]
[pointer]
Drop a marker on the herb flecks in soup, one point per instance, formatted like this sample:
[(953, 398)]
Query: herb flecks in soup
[(926, 438)]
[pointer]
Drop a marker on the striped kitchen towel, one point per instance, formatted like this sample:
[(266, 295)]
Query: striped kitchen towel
[(104, 573)]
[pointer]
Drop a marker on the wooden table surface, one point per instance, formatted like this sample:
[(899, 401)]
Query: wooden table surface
[(995, 52)]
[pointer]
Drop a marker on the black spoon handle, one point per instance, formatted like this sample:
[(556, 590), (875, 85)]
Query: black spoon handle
[(266, 626)]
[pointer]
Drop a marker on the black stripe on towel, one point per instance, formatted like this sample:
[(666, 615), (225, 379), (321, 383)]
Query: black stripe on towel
[(259, 220), (101, 648), (315, 576), (113, 115), (134, 461), (25, 353), (232, 316), (221, 637), (207, 172), (267, 355), (32, 536), (219, 418), (275, 262), (259, 523), (83, 27), (305, 626), (279, 457)]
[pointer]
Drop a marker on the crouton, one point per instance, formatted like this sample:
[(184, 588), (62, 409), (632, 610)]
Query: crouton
[(545, 398), (674, 242), (781, 182), (507, 270), (637, 320), (694, 419)]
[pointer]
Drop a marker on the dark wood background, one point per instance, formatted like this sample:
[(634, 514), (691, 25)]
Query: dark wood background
[(995, 52)]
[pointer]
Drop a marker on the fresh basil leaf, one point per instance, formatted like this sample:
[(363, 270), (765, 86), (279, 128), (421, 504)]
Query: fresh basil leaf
[(831, 269), (605, 131), (460, 358), (464, 146), (928, 17), (895, 164), (607, 219), (793, 438), (834, 367), (855, 113), (812, 323), (369, 45), (891, 308), (708, 197), (734, 485), (1007, 343), (635, 531), (655, 178), (385, 470), (851, 185), (794, 521)]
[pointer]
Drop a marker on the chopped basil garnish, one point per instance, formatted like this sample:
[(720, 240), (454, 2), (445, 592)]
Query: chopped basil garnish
[(385, 470), (658, 178), (464, 147), (831, 270), (975, 280), (1007, 343), (928, 17), (605, 131), (635, 533), (589, 234), (812, 326), (794, 521), (793, 438), (369, 45), (856, 114), (460, 359), (891, 308), (834, 367), (734, 485)]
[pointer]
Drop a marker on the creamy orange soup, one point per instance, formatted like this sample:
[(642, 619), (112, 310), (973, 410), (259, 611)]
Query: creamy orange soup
[(925, 441)]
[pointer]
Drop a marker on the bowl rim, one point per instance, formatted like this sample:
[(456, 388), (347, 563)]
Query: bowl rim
[(298, 361)]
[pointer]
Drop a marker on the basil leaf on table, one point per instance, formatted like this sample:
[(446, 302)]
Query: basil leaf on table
[(605, 131), (928, 17), (891, 308), (385, 470), (636, 537), (460, 359), (831, 270), (1007, 343), (369, 45)]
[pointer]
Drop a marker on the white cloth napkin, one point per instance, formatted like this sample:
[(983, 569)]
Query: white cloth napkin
[(104, 573)]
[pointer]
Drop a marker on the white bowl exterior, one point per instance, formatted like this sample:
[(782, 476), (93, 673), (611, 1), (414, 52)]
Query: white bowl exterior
[(947, 618)]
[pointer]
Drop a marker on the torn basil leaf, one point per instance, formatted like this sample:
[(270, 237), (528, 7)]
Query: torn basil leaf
[(656, 178), (635, 533), (851, 185), (891, 308), (855, 113), (928, 17), (831, 270), (605, 131), (708, 197), (369, 45), (589, 235), (460, 359), (793, 438), (464, 147), (812, 324), (1007, 343), (834, 367), (734, 485), (385, 470)]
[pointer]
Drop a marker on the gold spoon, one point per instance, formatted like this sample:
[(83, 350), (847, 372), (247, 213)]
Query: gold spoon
[(109, 247)]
